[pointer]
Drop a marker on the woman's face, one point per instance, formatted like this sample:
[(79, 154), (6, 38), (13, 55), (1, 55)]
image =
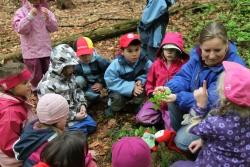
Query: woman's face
[(213, 51)]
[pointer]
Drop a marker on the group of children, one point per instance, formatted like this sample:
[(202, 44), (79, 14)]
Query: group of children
[(68, 81)]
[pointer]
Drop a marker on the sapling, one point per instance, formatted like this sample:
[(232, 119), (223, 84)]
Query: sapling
[(158, 97)]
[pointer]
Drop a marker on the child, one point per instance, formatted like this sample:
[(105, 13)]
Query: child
[(90, 71), (170, 58), (52, 111), (152, 26), (131, 152), (67, 150), (126, 75), (225, 137), (60, 79), (34, 23), (15, 87)]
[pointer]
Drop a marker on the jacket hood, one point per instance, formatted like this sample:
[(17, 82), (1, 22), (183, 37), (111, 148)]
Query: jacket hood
[(31, 139), (174, 38), (62, 55)]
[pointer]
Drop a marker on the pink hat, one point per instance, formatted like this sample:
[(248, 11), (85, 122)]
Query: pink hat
[(174, 38), (131, 152), (51, 108), (126, 39), (237, 83), (12, 81)]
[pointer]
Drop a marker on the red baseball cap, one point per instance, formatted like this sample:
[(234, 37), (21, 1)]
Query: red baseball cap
[(126, 39), (84, 46)]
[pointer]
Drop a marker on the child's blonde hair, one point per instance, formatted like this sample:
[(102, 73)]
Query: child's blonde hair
[(226, 105)]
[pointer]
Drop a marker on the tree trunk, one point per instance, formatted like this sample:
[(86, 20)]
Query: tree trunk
[(65, 4), (95, 35)]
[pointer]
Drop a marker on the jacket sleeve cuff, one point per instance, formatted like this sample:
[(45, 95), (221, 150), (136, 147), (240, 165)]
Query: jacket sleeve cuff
[(200, 111)]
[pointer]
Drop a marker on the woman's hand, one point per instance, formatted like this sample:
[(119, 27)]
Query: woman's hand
[(195, 145), (201, 95), (170, 99)]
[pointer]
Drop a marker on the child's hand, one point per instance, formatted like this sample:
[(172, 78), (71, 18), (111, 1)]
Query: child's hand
[(195, 145), (97, 87), (201, 95), (33, 11), (138, 89), (82, 114), (160, 88), (138, 83), (46, 13)]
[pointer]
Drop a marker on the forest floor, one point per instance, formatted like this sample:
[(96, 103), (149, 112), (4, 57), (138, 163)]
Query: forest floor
[(188, 20)]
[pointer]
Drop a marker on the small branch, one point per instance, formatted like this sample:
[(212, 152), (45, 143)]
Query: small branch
[(114, 18), (81, 25)]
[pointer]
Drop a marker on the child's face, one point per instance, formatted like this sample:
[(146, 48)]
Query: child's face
[(62, 123), (68, 71), (23, 89), (170, 54), (86, 58), (132, 53)]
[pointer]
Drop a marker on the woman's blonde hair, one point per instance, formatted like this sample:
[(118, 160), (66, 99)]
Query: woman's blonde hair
[(226, 105), (213, 30)]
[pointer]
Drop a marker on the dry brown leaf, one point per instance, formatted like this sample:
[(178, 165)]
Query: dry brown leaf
[(94, 144)]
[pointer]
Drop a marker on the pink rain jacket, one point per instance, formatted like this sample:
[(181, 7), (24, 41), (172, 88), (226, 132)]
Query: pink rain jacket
[(34, 33), (159, 74)]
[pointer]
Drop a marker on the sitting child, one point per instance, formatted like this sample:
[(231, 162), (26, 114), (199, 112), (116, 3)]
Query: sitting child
[(90, 71), (170, 58), (67, 150), (14, 111), (126, 75), (225, 137), (52, 111), (60, 80), (131, 152)]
